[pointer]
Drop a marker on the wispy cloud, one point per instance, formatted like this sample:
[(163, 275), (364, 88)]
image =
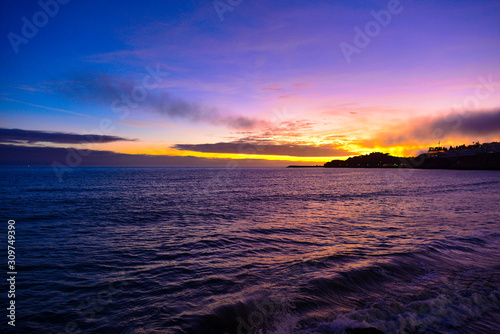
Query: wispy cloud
[(472, 123), (272, 89), (20, 136), (295, 150), (427, 129), (49, 108), (29, 88), (301, 86), (286, 92), (29, 155), (354, 108), (103, 89)]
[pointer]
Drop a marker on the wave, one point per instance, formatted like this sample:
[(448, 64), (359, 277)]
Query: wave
[(416, 292)]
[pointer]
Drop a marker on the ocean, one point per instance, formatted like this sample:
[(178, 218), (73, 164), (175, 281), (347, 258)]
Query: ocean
[(253, 250)]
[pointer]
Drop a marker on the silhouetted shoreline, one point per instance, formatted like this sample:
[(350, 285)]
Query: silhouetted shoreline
[(476, 161)]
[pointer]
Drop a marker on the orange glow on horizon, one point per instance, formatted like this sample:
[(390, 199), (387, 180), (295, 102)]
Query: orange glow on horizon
[(361, 148)]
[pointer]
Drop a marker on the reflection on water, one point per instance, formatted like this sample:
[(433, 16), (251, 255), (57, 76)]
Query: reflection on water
[(185, 250)]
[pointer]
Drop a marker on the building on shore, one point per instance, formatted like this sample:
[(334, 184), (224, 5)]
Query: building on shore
[(463, 150)]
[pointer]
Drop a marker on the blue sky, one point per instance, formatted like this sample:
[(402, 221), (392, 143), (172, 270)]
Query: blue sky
[(270, 73)]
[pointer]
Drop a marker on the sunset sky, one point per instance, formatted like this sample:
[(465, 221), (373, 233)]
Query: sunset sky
[(285, 81)]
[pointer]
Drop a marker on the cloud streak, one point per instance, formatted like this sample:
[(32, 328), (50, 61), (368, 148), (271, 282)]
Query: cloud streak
[(103, 89), (44, 107), (477, 123), (427, 129), (17, 155), (295, 150), (20, 136)]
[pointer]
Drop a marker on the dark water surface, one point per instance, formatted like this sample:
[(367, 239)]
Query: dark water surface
[(207, 250)]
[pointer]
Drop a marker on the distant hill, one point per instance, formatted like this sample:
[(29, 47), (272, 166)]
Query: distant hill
[(482, 161), (372, 160), (478, 161)]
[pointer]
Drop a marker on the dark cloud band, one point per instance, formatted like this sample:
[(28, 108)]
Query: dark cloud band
[(475, 124), (64, 158), (32, 137), (103, 89), (265, 149)]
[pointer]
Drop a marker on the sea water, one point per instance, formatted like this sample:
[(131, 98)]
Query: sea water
[(254, 250)]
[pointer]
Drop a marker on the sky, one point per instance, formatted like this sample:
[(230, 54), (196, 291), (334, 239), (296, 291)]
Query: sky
[(247, 82)]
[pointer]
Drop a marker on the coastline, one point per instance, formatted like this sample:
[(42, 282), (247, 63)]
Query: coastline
[(482, 161)]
